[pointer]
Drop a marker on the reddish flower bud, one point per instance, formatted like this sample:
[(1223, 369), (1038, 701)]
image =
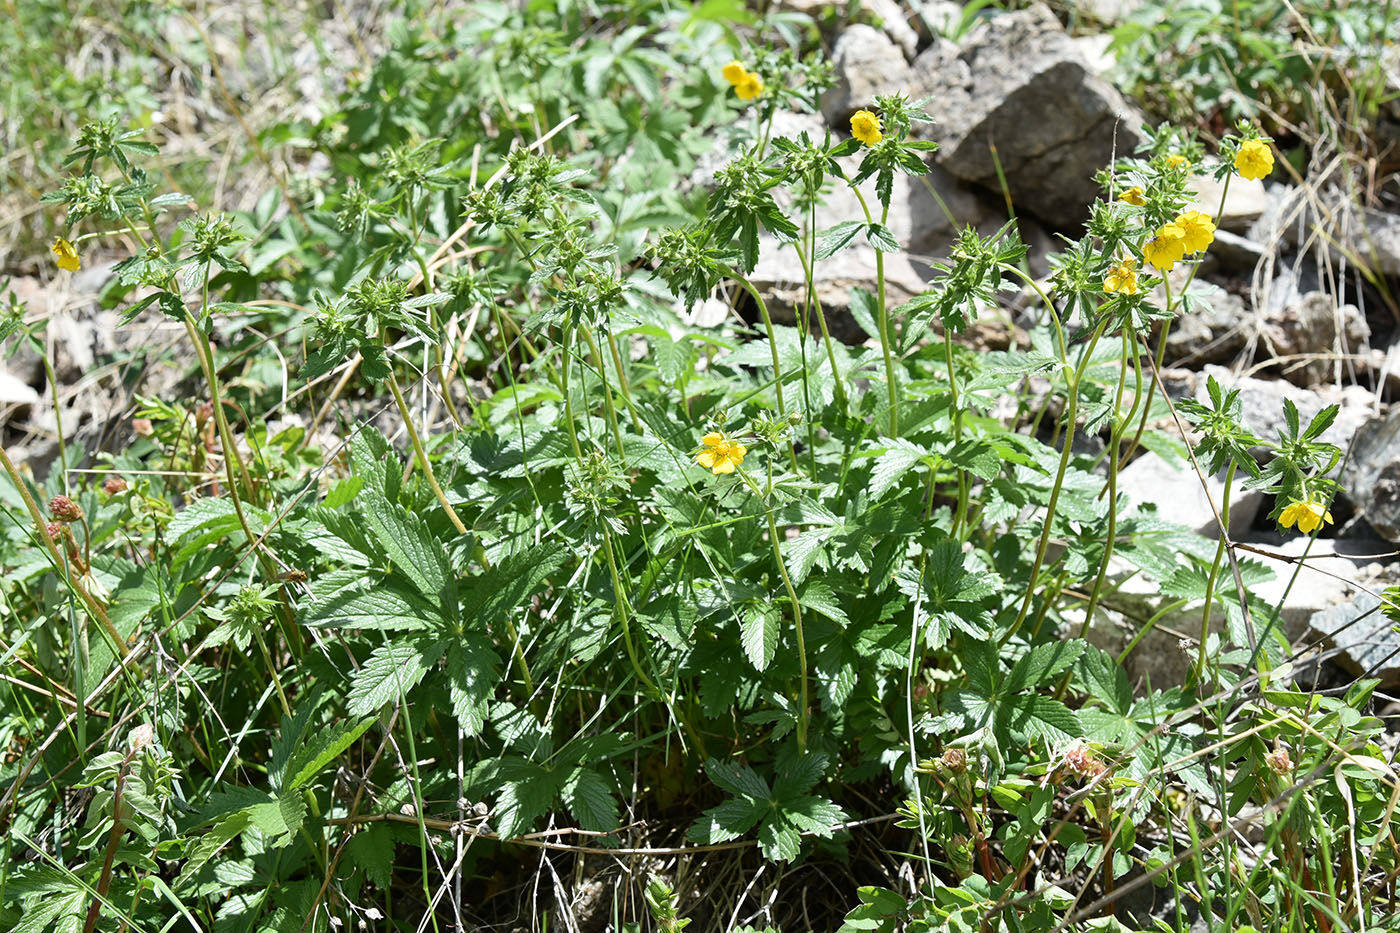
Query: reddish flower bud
[(142, 427), (203, 412), (140, 737), (64, 509), (955, 760), (114, 485), (1279, 762), (55, 530)]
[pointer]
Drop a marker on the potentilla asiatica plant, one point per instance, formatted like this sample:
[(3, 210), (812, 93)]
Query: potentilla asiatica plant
[(824, 564)]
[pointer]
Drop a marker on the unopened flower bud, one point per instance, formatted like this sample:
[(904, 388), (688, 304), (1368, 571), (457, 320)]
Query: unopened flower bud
[(1279, 762), (142, 427), (140, 737), (55, 530), (955, 760), (114, 485), (1082, 762), (64, 509), (203, 412), (795, 418)]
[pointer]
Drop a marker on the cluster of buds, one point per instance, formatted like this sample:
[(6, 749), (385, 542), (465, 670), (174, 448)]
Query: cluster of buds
[(114, 485), (65, 510), (1080, 761), (1279, 762)]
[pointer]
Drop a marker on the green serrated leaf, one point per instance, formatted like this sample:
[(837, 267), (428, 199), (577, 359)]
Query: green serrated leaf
[(391, 672)]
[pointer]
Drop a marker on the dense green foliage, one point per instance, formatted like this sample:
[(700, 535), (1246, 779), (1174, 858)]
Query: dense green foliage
[(465, 533)]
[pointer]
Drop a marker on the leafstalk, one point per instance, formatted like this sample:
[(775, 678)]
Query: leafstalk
[(422, 454), (1071, 414)]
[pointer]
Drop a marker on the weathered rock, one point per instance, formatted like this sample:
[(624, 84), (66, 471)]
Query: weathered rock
[(868, 64), (1000, 89), (778, 277), (1095, 49), (1245, 202), (1180, 497), (1321, 575), (896, 25), (890, 13), (1261, 403), (1314, 325), (1363, 636), (1377, 241), (1371, 475), (1214, 332), (1232, 252)]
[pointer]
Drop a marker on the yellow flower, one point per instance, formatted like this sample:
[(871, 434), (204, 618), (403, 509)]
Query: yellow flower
[(67, 255), (1308, 514), (750, 87), (734, 72), (1198, 228), (865, 126), (1178, 161), (1254, 160), (1122, 278), (1166, 248), (1133, 196), (720, 454)]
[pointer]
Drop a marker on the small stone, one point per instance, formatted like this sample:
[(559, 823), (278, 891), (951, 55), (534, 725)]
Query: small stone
[(1314, 326), (868, 64), (1245, 202), (1371, 475), (995, 94), (1179, 496), (1364, 638)]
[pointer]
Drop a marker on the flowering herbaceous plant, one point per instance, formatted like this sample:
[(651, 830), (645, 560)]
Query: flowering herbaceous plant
[(621, 582)]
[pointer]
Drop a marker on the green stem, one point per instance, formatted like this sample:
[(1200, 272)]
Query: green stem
[(803, 713), (1071, 414), (607, 393), (1214, 573), (623, 611), (94, 608), (569, 396), (815, 301), (622, 380), (422, 454), (772, 347), (960, 519)]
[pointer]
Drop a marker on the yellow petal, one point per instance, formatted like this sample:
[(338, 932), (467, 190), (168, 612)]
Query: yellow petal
[(713, 439), (737, 451), (706, 458), (734, 72), (724, 466), (1288, 516)]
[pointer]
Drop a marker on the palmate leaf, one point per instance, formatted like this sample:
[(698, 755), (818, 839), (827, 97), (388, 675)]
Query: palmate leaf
[(527, 791), (321, 750), (1035, 716)]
